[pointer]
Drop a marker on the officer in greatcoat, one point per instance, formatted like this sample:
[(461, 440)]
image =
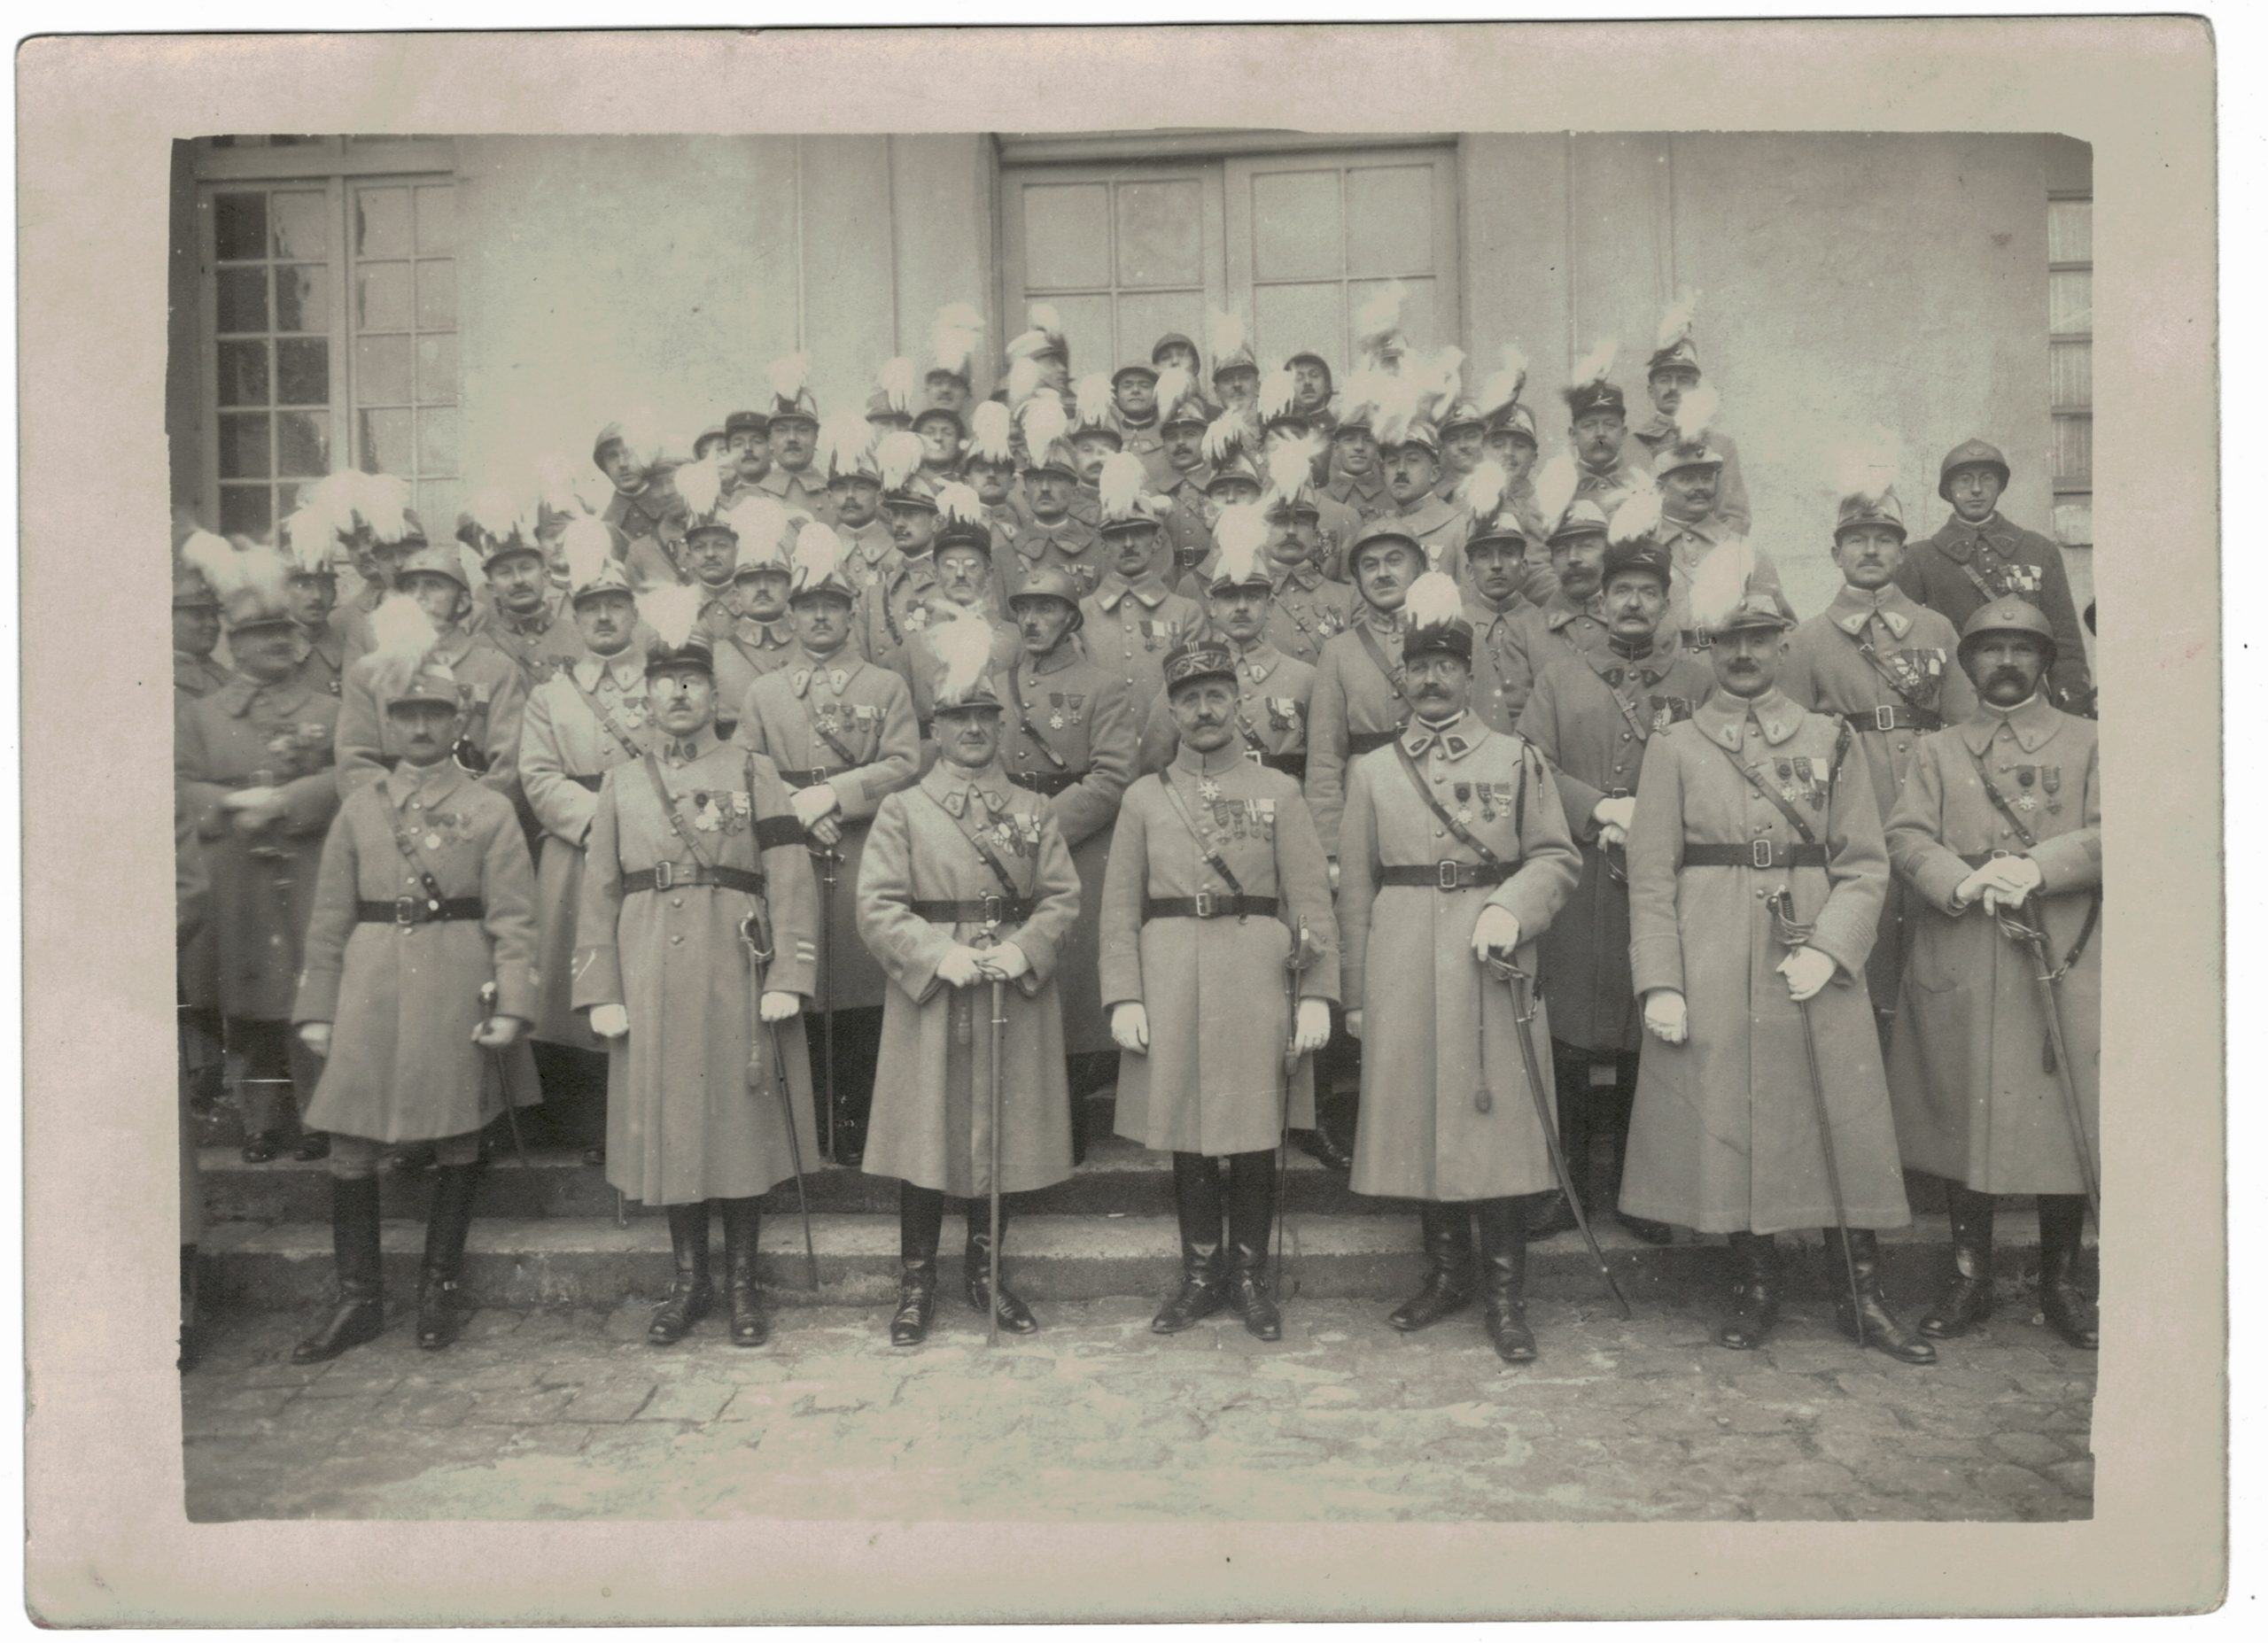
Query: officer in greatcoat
[(1673, 372), (1178, 472), (1500, 581), (1756, 881), (197, 635), (1683, 516), (791, 439), (1411, 452), (957, 571), (1454, 854), (1595, 429), (197, 618), (1572, 621), (695, 949), (967, 896), (1054, 538), (2001, 818), (1306, 607), (854, 495), (1132, 618), (644, 505), (311, 589), (532, 623), (1358, 703), (750, 632), (1356, 481)]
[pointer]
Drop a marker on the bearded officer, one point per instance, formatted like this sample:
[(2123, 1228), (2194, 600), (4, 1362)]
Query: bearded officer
[(1214, 865), (1453, 852), (2001, 817)]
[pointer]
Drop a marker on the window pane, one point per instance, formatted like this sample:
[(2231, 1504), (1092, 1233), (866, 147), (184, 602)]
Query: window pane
[(2074, 447), (243, 373), (437, 442), (298, 221), (1417, 323), (244, 446), (1067, 236), (2070, 376), (303, 371), (437, 295), (436, 501), (437, 369), (1390, 223), (381, 222), (2070, 230), (1295, 226), (303, 443), (1086, 328), (2071, 301), (382, 296), (437, 221), (381, 373), (1288, 318), (1160, 233), (303, 297), (2075, 520), (240, 226), (241, 299), (1145, 316), (384, 440), (246, 510)]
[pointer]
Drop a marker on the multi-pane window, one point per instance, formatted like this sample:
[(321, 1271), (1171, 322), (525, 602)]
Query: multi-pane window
[(272, 323), (1123, 256), (2070, 355), (404, 381)]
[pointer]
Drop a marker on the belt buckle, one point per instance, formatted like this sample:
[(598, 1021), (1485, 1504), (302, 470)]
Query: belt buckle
[(1445, 875), (1255, 755), (990, 908), (1885, 718), (1205, 909), (665, 874), (405, 911), (1760, 853)]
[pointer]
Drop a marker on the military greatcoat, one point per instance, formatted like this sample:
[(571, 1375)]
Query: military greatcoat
[(1687, 544), (693, 1105), (1591, 718), (1539, 635), (1353, 707), (197, 676), (323, 658), (403, 995), (1499, 681), (1964, 567), (1130, 626), (1070, 544), (1271, 723), (1976, 1098), (1440, 529), (1724, 1136), (538, 644), (489, 691), (1438, 1029), (1732, 488), (1215, 988), (931, 1123), (1305, 610)]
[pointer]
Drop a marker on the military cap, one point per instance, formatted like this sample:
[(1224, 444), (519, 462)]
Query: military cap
[(1238, 465), (1174, 339), (1354, 417), (880, 408), (611, 577), (191, 591), (1420, 433), (427, 560), (1189, 410), (1582, 519), (1969, 454), (1310, 357), (494, 545), (957, 533), (2009, 615), (1759, 608), (919, 492), (1597, 395), (1642, 554), (1056, 459), (1680, 353), (256, 598), (1135, 367), (1463, 413), (430, 682), (945, 410), (1676, 455), (798, 408), (1050, 582), (747, 422), (714, 434), (1225, 578), (1379, 532), (695, 653), (1860, 508), (1198, 659), (1504, 525), (1452, 638), (1514, 418)]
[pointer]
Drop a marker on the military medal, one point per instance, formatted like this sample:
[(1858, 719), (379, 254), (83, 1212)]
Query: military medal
[(1210, 790), (2051, 777), (2025, 775), (432, 842)]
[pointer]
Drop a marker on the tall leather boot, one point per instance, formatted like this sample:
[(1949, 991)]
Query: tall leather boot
[(1756, 1291), (1876, 1324), (447, 1223), (2062, 1301), (361, 1310), (1967, 1299), (1197, 1205), (1549, 1214), (920, 1219), (1504, 1278), (1447, 1231), (1016, 1317), (1251, 1214), (690, 1295), (742, 1294)]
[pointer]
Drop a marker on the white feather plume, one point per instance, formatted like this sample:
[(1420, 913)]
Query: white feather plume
[(1045, 318), (263, 571), (1224, 438), (896, 380), (1694, 410), (1291, 463), (990, 431), (899, 456), (962, 639), (1555, 488), (1593, 367), (1505, 383), (216, 559), (380, 503), (759, 522), (309, 535), (818, 551), (787, 374), (1275, 391), (587, 544), (646, 436), (401, 632), (1396, 401), (1023, 380), (1677, 320), (1721, 580), (954, 335), (1174, 383), (556, 480), (1225, 333), (1379, 317), (671, 609), (1120, 485), (1439, 379), (1637, 518), (1044, 424), (1481, 492), (1433, 600), (1091, 401), (1359, 393), (469, 563), (1240, 533), (699, 485), (958, 501), (844, 439)]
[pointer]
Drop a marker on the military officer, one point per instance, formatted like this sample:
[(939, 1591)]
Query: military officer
[(1412, 454), (1043, 343), (894, 603), (197, 616), (644, 504), (1978, 557), (1673, 374), (1509, 435), (1236, 369), (1453, 855), (1572, 621), (1132, 620), (967, 888), (1756, 882), (747, 626), (1214, 866), (1095, 438), (889, 408), (1465, 434), (695, 948), (989, 466), (791, 436), (1683, 516), (197, 634), (854, 495), (1175, 351), (1999, 823), (943, 434), (1591, 715), (419, 982), (373, 525), (1052, 537), (1306, 607), (1311, 389), (1359, 704), (1500, 581), (748, 442), (1595, 429), (1357, 481), (1178, 472), (311, 589), (532, 626), (190, 899), (958, 571)]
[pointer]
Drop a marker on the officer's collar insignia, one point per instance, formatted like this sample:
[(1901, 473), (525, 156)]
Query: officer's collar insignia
[(1420, 738), (1853, 607), (2033, 722), (1722, 717)]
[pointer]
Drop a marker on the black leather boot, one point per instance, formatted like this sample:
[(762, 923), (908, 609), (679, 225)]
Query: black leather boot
[(1016, 1317), (1967, 1299), (2062, 1301), (1504, 1278), (1321, 1145), (1756, 1291), (1251, 1210), (920, 1219), (690, 1295), (360, 1312), (262, 1148), (414, 1159), (313, 1144), (447, 1223), (1876, 1324), (742, 1293), (1197, 1204), (1448, 1232)]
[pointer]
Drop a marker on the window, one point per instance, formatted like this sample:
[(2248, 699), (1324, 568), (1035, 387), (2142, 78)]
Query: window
[(2070, 360)]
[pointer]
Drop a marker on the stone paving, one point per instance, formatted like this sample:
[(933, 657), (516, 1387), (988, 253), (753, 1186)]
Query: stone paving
[(567, 1413)]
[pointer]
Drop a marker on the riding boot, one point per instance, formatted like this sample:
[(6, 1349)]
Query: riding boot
[(1548, 1214), (1447, 1231), (690, 1295), (413, 1159), (1967, 1299), (447, 1223), (2062, 1301), (1321, 1145), (1016, 1317), (1756, 1291), (742, 1293), (1197, 1204), (920, 1219), (360, 1312), (1252, 1213), (1504, 1278), (1877, 1326), (312, 1145)]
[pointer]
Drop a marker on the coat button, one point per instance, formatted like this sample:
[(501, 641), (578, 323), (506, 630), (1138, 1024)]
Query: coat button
[(677, 901), (679, 941)]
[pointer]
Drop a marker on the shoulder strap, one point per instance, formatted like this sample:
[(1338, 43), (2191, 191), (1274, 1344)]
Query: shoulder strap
[(834, 742), (630, 744), (1007, 879), (1779, 801), (426, 879), (1212, 856), (1377, 653), (1463, 834), (2001, 803), (669, 808), (1024, 723), (1874, 661)]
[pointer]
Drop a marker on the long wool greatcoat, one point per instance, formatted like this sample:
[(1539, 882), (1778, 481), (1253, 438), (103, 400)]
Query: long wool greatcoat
[(745, 649), (1130, 628), (787, 716), (692, 1093), (932, 1122), (1352, 709), (1441, 528), (540, 645), (490, 691), (403, 1000), (1687, 544), (1271, 728), (1436, 1027), (1724, 1136), (1068, 543), (261, 889), (1306, 610), (1964, 567), (1591, 716), (564, 752), (1214, 989), (1500, 679), (1539, 635), (1976, 1100)]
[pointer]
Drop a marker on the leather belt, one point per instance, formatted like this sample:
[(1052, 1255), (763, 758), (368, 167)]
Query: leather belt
[(1292, 765), (1359, 741), (1449, 875), (809, 778), (1047, 783), (1982, 857), (1892, 718), (677, 875), (983, 910), (1693, 638), (1208, 904), (408, 910), (800, 780), (1761, 854)]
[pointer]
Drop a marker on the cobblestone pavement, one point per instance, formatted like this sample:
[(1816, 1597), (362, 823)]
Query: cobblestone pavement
[(569, 1414)]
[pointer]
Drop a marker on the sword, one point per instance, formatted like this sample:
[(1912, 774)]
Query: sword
[(1792, 935), (828, 858), (759, 962), (1296, 964), (992, 1074), (2019, 926), (503, 1085), (1522, 987)]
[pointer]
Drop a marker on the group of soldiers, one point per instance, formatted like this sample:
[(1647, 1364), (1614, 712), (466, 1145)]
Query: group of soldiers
[(876, 787)]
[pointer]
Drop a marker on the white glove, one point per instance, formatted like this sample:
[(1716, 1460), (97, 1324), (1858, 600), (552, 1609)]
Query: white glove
[(1353, 1024), (1666, 1015), (1495, 931), (316, 1036), (2018, 878), (1614, 817), (499, 1032), (813, 804), (1006, 962), (1130, 1026), (255, 808), (610, 1020), (1312, 1031), (1334, 875), (961, 967), (1807, 970), (775, 1007)]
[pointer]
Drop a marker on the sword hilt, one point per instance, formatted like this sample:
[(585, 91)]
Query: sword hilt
[(1521, 983), (758, 953), (1791, 932)]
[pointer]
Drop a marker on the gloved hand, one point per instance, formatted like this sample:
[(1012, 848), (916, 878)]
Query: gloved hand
[(1614, 817), (827, 831), (1355, 1024), (499, 1032), (1495, 931), (1807, 970), (1006, 962), (610, 1020), (961, 967), (1311, 1030), (2018, 877), (1334, 875), (252, 808), (813, 804), (1666, 1015), (1130, 1028), (316, 1036), (777, 1007)]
